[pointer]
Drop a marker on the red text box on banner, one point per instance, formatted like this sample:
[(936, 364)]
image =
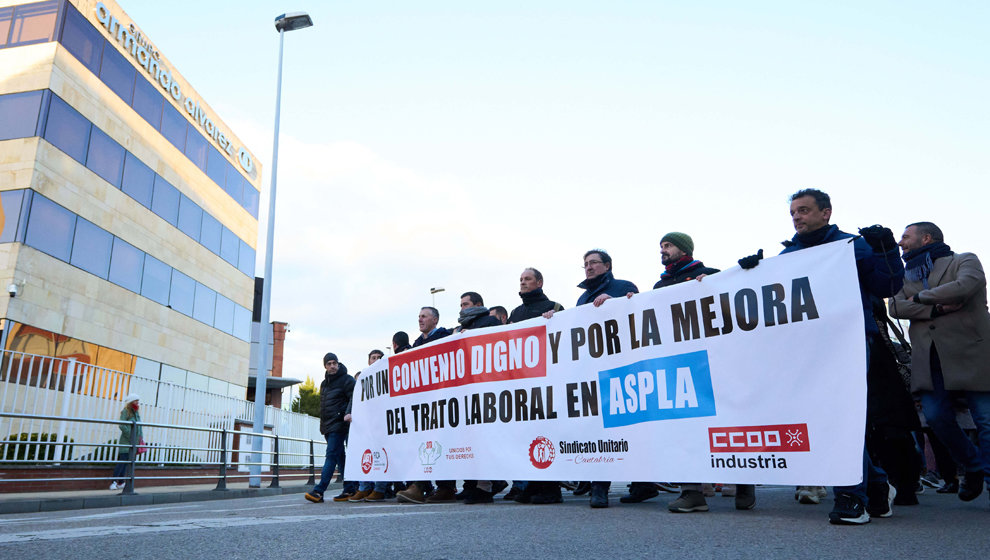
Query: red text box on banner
[(511, 354), (772, 438)]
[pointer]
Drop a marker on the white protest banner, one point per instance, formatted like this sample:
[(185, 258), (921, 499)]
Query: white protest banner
[(749, 376)]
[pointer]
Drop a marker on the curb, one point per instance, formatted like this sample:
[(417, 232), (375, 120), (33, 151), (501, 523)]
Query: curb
[(118, 500)]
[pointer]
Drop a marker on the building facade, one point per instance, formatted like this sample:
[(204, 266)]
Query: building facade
[(129, 210)]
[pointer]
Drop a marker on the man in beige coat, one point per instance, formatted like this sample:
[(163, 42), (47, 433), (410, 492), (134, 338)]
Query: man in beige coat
[(945, 297)]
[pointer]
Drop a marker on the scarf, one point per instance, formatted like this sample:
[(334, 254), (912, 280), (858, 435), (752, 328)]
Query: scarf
[(813, 238), (592, 284), (469, 314), (534, 296), (918, 262), (677, 266)]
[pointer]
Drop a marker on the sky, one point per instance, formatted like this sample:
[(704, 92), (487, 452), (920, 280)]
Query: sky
[(453, 144)]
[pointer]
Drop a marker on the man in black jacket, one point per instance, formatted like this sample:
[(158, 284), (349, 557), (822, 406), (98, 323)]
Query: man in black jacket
[(335, 417), (534, 302)]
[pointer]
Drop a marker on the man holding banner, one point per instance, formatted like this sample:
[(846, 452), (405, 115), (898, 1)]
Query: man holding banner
[(881, 275)]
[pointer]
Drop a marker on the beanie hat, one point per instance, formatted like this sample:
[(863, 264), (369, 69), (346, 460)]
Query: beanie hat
[(680, 240), (328, 357), (131, 398)]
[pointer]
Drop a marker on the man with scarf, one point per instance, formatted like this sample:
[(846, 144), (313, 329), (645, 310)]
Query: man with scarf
[(335, 417), (881, 275), (945, 297)]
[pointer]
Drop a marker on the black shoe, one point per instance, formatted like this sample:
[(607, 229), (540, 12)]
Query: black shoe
[(745, 496), (950, 487), (550, 494), (314, 497), (478, 496), (466, 489), (512, 493), (906, 499), (582, 488), (971, 487), (879, 496), (848, 510), (640, 493), (599, 496), (498, 486)]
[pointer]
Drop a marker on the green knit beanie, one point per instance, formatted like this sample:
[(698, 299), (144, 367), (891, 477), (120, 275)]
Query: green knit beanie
[(680, 240)]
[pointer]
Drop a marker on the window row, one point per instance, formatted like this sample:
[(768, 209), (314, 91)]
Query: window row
[(42, 113), (37, 23), (54, 230)]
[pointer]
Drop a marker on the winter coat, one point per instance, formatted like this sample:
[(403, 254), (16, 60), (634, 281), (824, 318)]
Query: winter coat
[(482, 321), (335, 401), (962, 338), (535, 303), (609, 285), (437, 335), (127, 415), (880, 275), (689, 272)]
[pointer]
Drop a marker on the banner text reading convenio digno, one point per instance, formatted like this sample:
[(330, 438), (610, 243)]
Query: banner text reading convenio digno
[(749, 376)]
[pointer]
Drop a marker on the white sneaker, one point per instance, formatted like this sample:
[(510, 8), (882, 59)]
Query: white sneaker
[(113, 485)]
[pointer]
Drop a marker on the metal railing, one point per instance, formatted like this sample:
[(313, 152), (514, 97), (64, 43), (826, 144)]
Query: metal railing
[(43, 393), (53, 452)]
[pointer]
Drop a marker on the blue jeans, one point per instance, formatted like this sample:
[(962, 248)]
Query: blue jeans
[(367, 486), (335, 458), (120, 469), (937, 408)]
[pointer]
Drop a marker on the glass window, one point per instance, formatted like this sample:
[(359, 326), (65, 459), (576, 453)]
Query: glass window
[(246, 259), (126, 265), (156, 281), (118, 74), (67, 130), (190, 217), (50, 228), (91, 248), (242, 323), (229, 248), (81, 39), (138, 181), (165, 203), (216, 166), (106, 157), (174, 126), (249, 200), (10, 213), (210, 235), (19, 114), (205, 305), (196, 147), (225, 315), (183, 293), (148, 102), (33, 23), (5, 16)]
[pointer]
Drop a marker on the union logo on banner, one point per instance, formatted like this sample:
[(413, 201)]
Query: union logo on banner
[(541, 452), (773, 438)]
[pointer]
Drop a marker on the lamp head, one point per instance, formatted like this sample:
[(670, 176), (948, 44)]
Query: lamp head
[(292, 21)]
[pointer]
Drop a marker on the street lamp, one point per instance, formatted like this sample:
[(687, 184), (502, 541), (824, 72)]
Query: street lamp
[(283, 23), (434, 292)]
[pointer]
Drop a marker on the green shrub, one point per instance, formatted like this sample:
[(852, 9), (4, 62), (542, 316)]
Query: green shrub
[(35, 447)]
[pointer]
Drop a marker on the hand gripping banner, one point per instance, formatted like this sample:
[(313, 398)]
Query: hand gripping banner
[(748, 376)]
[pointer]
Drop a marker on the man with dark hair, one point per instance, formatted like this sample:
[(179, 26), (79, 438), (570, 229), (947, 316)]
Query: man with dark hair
[(375, 355), (335, 417), (416, 493), (881, 275), (945, 297), (499, 313), (474, 314), (400, 342)]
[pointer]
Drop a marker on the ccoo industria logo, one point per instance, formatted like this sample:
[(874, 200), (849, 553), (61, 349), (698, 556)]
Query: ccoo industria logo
[(541, 452), (775, 438)]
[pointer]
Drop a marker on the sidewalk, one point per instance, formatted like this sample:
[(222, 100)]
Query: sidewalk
[(35, 502)]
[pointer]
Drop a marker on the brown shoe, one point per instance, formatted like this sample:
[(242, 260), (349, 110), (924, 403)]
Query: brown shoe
[(375, 497), (412, 495), (359, 496), (442, 496)]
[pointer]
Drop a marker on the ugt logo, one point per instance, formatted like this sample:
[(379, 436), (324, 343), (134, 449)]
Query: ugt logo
[(366, 461), (541, 452), (429, 452)]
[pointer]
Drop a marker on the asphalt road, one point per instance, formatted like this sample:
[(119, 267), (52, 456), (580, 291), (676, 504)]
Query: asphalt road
[(289, 527)]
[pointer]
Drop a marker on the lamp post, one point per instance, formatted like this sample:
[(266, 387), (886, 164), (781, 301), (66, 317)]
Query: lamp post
[(283, 23), (434, 292)]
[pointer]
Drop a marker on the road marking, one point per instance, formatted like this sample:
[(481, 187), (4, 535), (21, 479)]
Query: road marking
[(188, 525)]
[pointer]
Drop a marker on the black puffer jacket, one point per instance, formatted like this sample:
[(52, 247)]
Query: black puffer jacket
[(335, 401), (535, 304), (689, 272)]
